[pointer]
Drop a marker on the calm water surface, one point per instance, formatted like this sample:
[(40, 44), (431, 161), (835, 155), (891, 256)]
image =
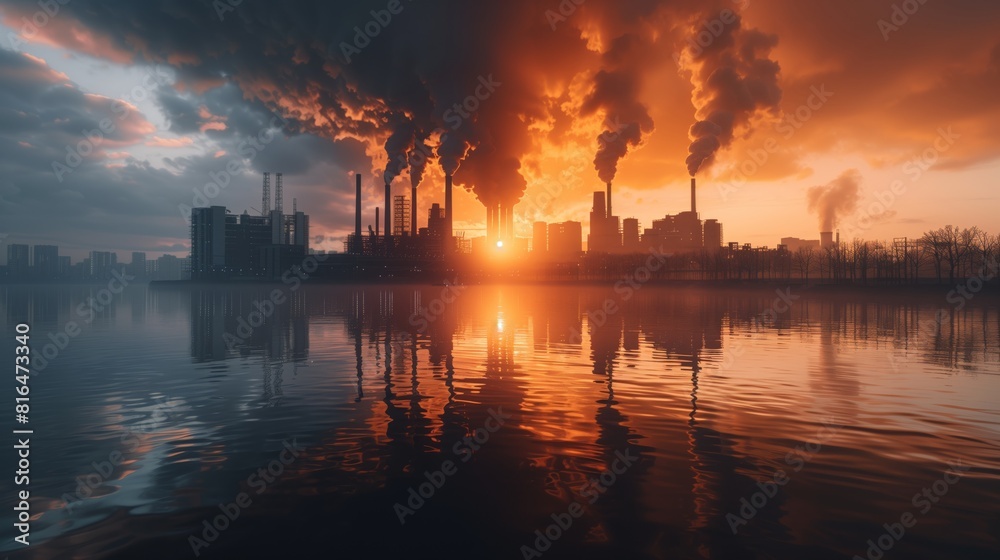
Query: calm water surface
[(169, 402)]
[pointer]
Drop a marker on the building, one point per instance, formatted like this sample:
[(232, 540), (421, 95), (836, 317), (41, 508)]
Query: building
[(565, 241), (630, 236), (226, 247), (45, 262), (168, 267), (137, 267), (713, 236), (794, 244), (605, 235), (539, 238), (18, 261), (676, 234), (101, 264)]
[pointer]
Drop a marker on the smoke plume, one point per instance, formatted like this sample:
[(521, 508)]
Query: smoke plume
[(734, 80), (836, 199)]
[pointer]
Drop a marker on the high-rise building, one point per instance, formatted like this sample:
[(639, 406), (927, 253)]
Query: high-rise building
[(539, 238), (101, 264), (18, 263), (630, 235), (713, 235), (565, 240), (137, 267), (45, 262), (208, 242)]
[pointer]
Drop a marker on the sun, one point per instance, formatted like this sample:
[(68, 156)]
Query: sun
[(499, 244)]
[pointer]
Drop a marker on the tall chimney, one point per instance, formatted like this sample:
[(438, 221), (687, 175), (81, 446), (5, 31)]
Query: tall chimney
[(694, 197), (279, 193), (265, 199), (413, 210), (377, 224), (448, 216), (609, 200), (357, 213), (388, 209), (490, 226)]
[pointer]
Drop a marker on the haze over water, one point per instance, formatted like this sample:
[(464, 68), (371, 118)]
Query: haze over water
[(858, 400)]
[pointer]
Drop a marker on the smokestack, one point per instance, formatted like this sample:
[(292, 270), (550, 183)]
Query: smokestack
[(510, 223), (489, 223), (694, 196), (838, 238), (376, 222), (413, 210), (357, 213), (265, 199), (609, 200), (388, 209), (448, 212), (279, 193)]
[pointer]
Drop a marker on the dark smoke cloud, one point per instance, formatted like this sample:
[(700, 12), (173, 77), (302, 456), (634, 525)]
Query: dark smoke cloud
[(836, 199), (418, 159), (397, 145), (735, 80)]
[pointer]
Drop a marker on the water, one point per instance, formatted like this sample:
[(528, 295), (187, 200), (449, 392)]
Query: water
[(151, 417)]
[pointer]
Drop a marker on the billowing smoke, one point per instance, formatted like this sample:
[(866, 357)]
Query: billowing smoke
[(836, 199), (418, 158), (616, 92), (396, 147), (734, 80)]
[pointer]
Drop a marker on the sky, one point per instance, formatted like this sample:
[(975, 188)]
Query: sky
[(879, 118)]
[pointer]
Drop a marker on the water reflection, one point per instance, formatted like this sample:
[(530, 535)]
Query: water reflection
[(385, 384)]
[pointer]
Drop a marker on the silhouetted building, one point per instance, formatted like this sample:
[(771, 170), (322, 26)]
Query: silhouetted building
[(45, 262), (18, 263), (565, 240), (137, 267), (605, 236), (168, 267), (713, 235), (101, 264), (539, 238), (630, 235), (675, 234), (794, 244)]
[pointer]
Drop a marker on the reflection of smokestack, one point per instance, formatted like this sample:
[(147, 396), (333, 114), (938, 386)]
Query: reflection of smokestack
[(826, 239), (413, 210), (357, 213), (694, 197), (388, 209), (609, 199), (448, 216)]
